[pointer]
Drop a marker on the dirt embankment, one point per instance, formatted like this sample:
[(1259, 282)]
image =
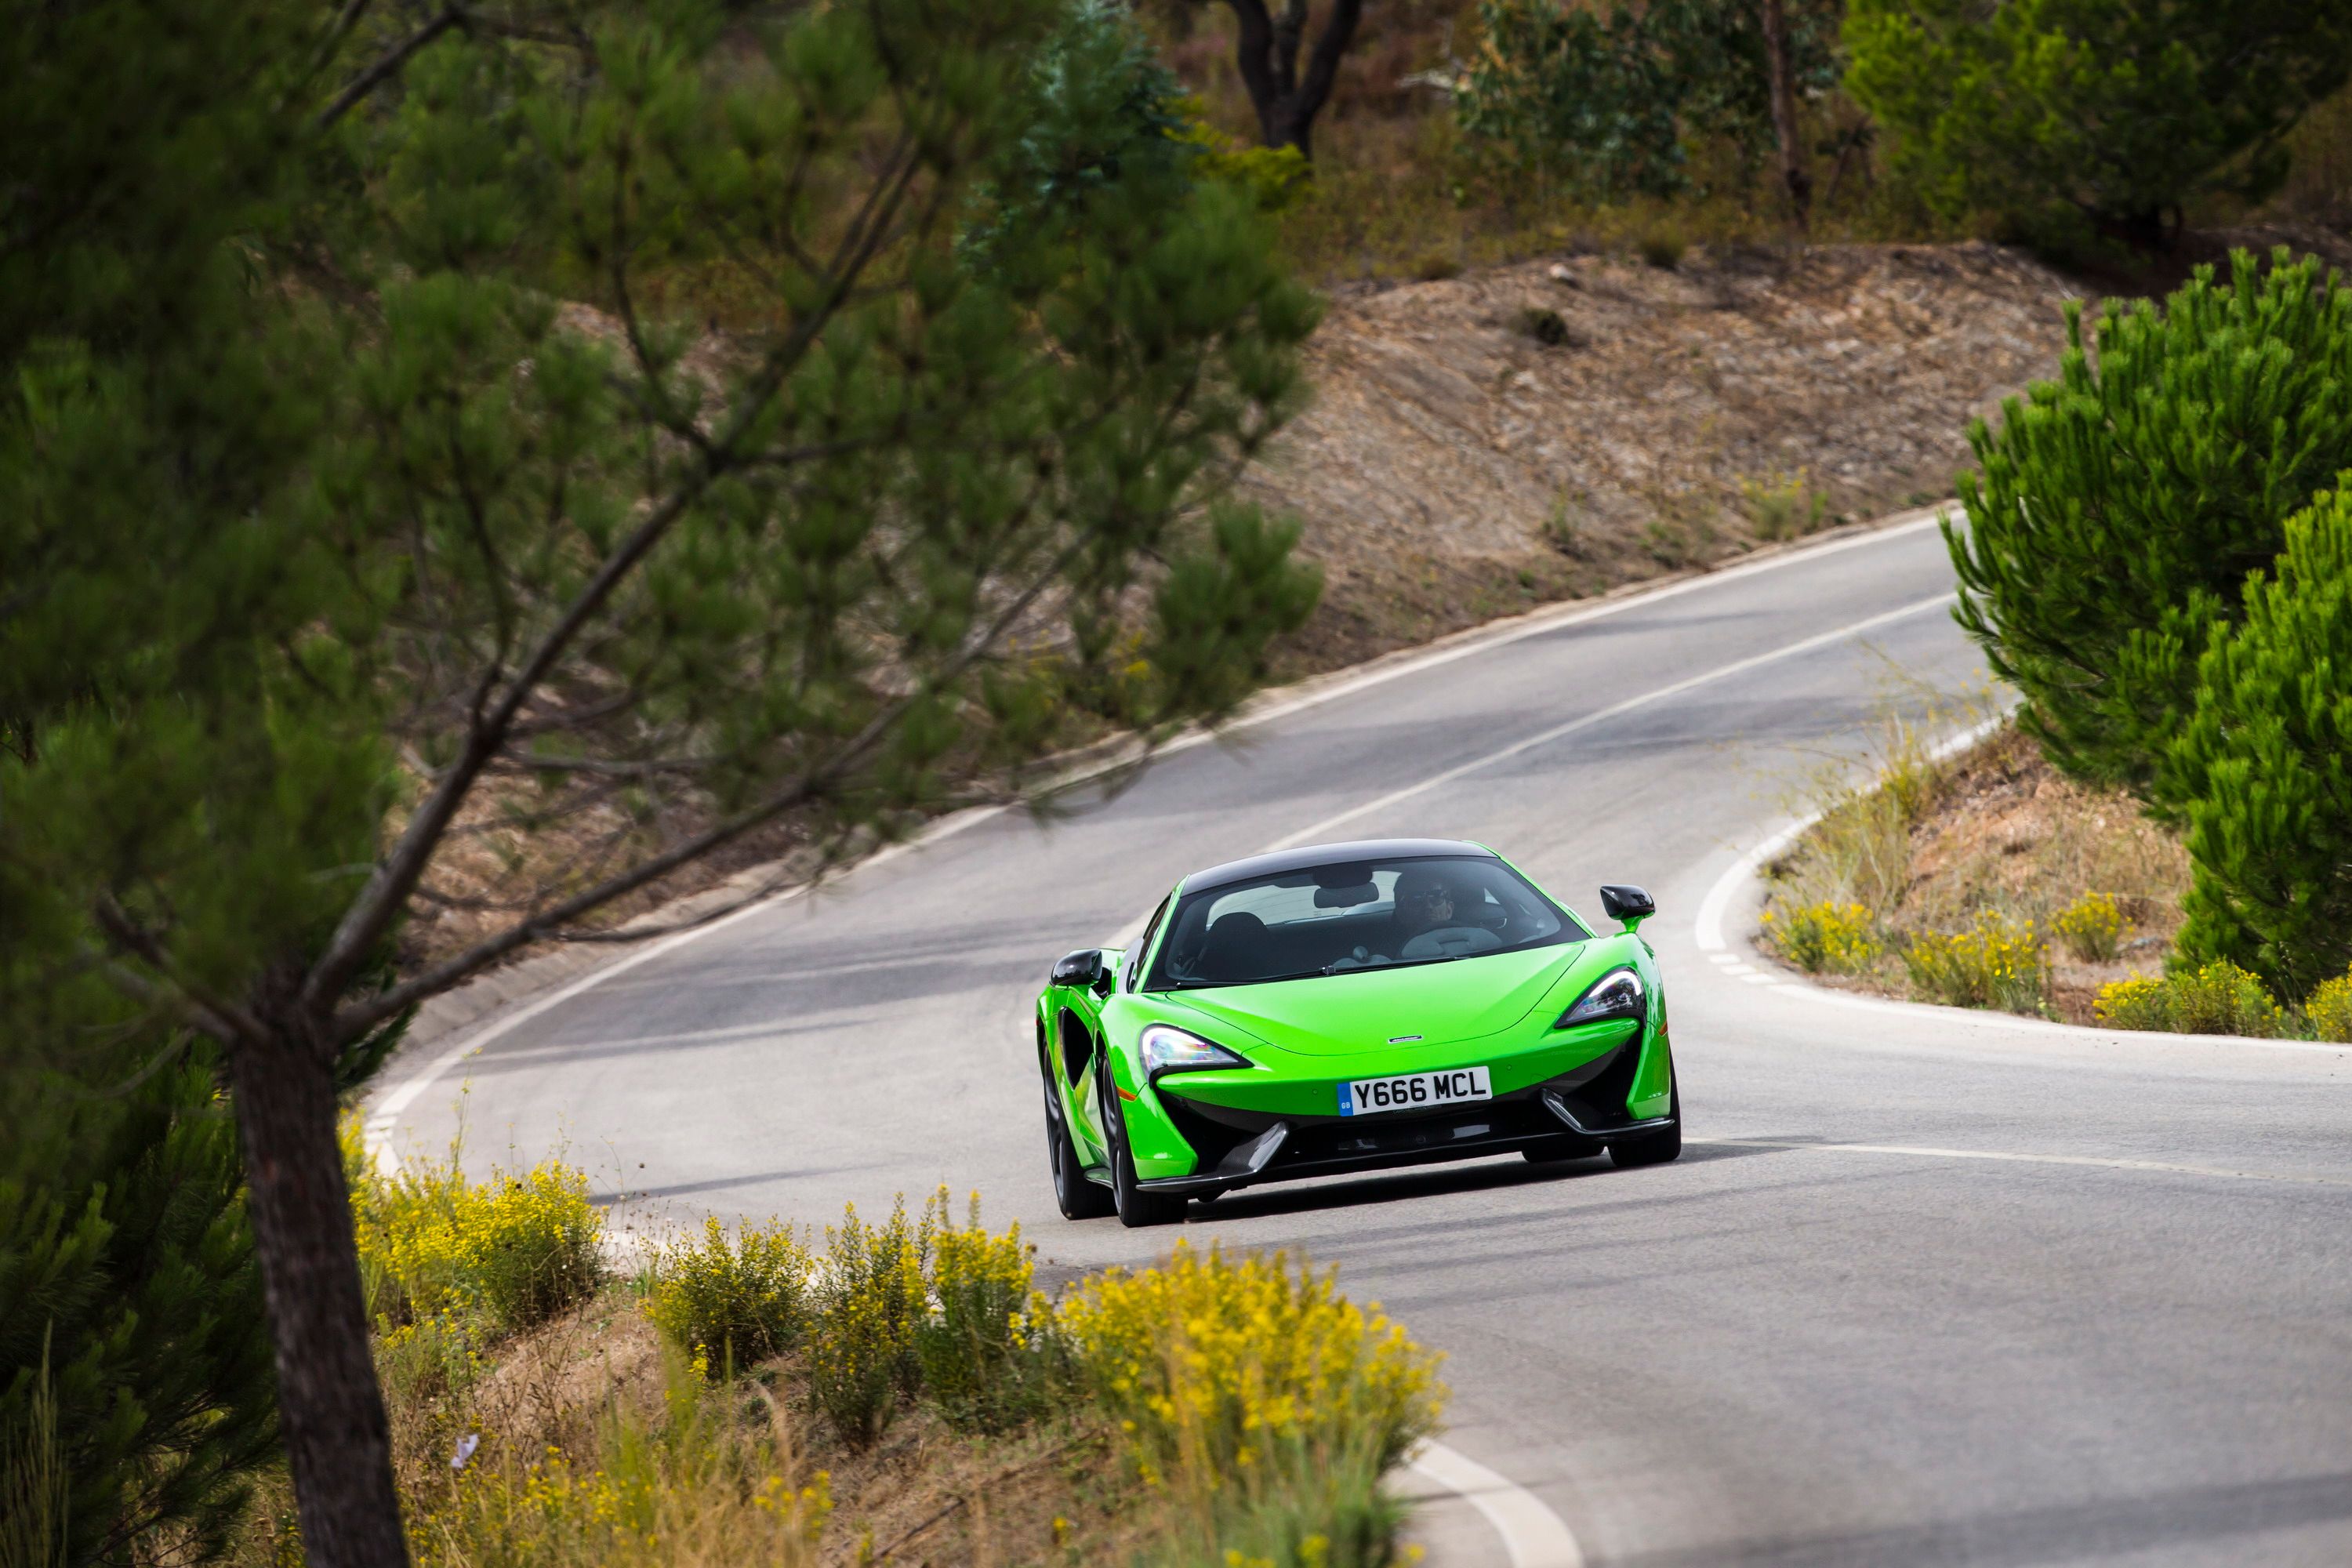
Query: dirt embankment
[(1561, 426)]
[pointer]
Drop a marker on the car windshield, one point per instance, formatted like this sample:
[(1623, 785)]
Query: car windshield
[(1352, 915)]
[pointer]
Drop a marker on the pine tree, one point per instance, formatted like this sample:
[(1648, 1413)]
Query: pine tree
[(2120, 507), (128, 1298), (2265, 768), (338, 540)]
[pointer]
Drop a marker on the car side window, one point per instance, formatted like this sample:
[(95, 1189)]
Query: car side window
[(1143, 944)]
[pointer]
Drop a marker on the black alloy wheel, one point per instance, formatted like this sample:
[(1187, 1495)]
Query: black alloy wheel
[(1074, 1195), (1656, 1148), (1137, 1207)]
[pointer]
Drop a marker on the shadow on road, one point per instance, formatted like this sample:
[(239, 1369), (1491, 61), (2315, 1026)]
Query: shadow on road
[(2055, 1533)]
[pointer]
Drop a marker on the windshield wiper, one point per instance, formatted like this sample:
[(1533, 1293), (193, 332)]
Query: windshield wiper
[(1328, 969), (1333, 967), (1253, 979)]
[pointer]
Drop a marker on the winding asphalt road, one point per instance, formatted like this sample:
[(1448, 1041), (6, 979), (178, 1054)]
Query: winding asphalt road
[(1925, 1288)]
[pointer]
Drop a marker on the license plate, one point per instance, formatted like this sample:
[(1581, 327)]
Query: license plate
[(1414, 1092)]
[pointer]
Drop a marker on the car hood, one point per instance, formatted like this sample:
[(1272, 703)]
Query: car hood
[(1357, 1010)]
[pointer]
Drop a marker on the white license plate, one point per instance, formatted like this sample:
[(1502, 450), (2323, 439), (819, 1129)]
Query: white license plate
[(1414, 1092)]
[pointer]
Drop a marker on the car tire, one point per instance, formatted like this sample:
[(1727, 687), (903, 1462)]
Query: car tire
[(1136, 1208), (1077, 1196), (1657, 1148)]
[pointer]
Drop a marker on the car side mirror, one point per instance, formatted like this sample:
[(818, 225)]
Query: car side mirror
[(1622, 901), (1083, 968)]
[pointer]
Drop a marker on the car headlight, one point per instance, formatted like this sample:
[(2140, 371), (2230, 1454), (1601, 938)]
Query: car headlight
[(1170, 1050), (1618, 994)]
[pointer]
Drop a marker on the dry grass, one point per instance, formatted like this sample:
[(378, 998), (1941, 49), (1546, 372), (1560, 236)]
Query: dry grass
[(1995, 833), (600, 1386)]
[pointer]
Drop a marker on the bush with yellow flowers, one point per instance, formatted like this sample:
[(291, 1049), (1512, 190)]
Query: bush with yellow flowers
[(2091, 928), (1209, 1360), (1827, 935), (987, 1349), (513, 1250), (1996, 962), (733, 1302), (2328, 1009), (2220, 998), (870, 1296)]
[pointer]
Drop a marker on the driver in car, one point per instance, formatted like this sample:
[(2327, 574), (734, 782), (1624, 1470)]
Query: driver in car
[(1424, 901)]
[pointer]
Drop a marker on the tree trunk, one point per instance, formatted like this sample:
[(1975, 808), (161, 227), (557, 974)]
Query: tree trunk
[(1266, 51), (338, 1443), (1783, 89)]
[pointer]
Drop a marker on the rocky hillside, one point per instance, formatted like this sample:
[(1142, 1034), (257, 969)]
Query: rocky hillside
[(1559, 427)]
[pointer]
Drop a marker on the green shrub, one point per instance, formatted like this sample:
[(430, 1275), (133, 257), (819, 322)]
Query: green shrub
[(1436, 266), (2047, 110), (1275, 177), (2122, 506), (986, 1349), (2142, 1002), (2328, 1009), (2216, 998), (733, 1303), (513, 1251), (861, 1342), (1544, 324), (2265, 768), (1823, 936), (1784, 506), (1309, 1505), (136, 1389), (1996, 962), (1605, 103), (1662, 249), (1207, 1359), (2091, 928)]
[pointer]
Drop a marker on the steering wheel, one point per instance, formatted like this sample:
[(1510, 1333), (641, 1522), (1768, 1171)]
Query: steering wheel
[(1451, 941)]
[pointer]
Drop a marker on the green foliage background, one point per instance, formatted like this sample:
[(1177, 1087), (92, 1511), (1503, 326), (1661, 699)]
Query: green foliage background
[(2120, 507), (2266, 767), (2079, 118)]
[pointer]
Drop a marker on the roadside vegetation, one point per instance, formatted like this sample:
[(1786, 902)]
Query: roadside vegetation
[(1461, 134), (889, 1392), (2157, 557), (470, 473)]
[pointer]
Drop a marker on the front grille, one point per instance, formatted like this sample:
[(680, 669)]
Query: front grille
[(1595, 1091), (1376, 1137)]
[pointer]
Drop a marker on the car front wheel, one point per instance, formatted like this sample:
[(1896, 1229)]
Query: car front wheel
[(1136, 1206), (1657, 1148), (1074, 1195)]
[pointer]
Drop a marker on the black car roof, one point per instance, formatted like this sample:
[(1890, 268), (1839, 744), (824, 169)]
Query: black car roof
[(1311, 855)]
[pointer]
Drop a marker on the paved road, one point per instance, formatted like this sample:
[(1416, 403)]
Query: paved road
[(1830, 1334)]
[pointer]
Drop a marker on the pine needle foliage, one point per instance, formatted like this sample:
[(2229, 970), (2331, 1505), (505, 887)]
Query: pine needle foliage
[(2120, 507), (377, 501), (2265, 768), (135, 1387)]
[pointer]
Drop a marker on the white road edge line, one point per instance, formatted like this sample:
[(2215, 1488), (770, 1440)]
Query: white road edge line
[(1532, 1533), (383, 1119), (1615, 709), (1708, 933)]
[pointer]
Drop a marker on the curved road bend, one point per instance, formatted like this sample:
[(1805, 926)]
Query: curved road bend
[(2127, 1344)]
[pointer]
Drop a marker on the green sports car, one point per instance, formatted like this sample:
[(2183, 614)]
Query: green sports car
[(1346, 1007)]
